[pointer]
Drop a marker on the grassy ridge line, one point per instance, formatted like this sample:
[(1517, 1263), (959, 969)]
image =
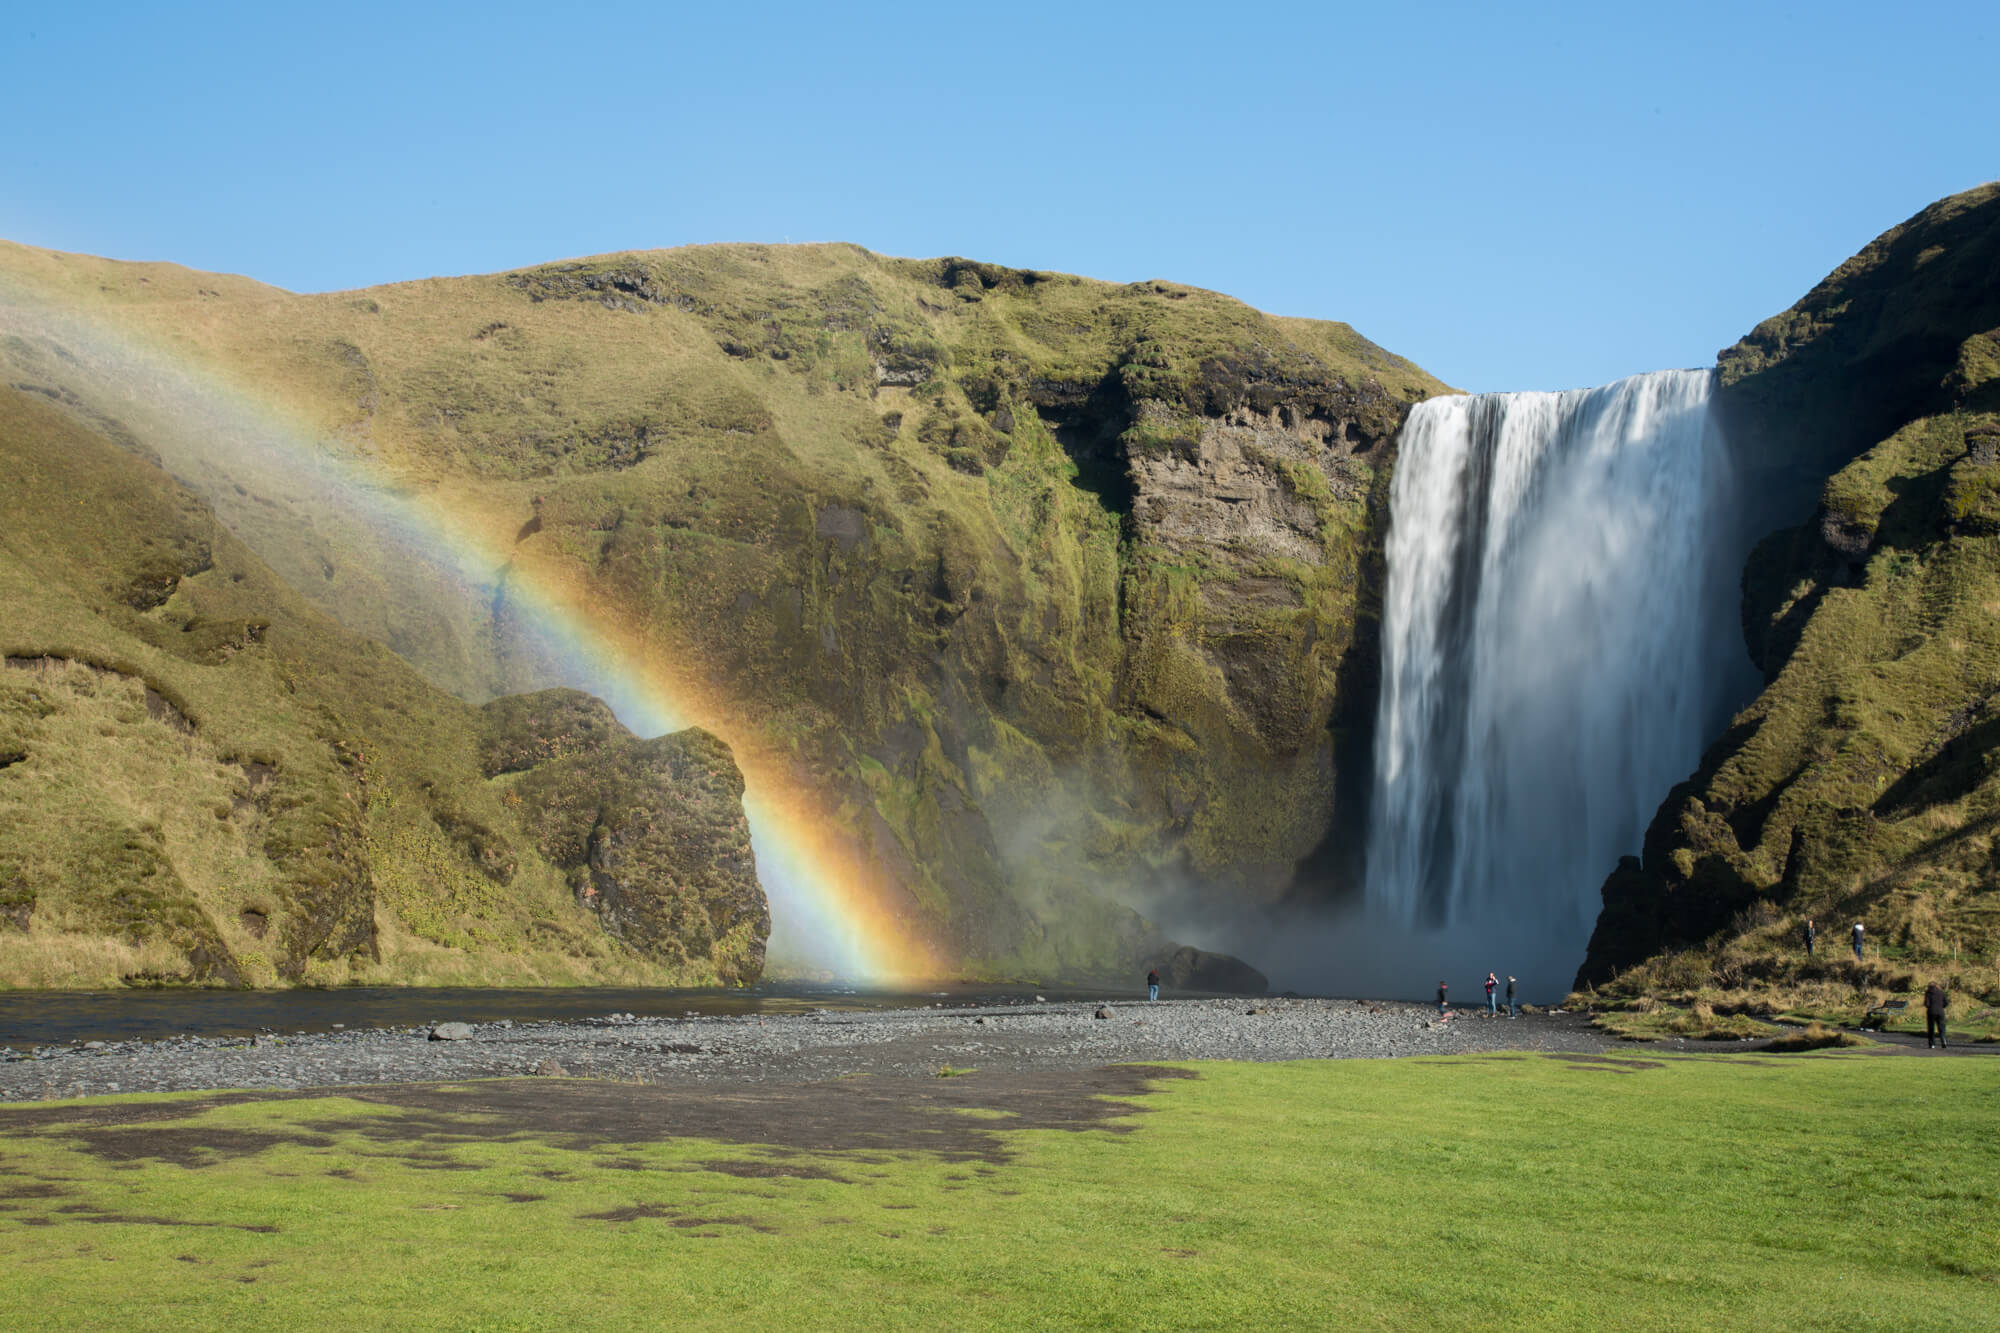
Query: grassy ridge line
[(885, 510), (207, 780), (1677, 1193)]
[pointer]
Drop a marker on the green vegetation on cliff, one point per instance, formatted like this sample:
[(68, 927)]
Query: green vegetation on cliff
[(204, 779), (1864, 783), (1056, 592)]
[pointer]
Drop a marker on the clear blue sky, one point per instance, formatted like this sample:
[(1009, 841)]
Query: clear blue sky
[(1512, 202)]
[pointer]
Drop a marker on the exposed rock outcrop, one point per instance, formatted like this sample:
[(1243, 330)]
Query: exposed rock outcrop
[(650, 833)]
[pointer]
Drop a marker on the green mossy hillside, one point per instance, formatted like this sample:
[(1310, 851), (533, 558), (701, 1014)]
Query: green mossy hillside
[(1863, 784), (204, 780), (1054, 592)]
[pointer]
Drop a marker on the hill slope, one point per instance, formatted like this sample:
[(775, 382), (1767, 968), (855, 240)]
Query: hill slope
[(1056, 596), (1863, 783), (204, 779)]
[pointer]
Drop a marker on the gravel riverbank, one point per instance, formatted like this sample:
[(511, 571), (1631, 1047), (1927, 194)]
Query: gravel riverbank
[(792, 1048)]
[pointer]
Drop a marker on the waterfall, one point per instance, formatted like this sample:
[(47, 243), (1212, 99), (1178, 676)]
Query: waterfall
[(1558, 637)]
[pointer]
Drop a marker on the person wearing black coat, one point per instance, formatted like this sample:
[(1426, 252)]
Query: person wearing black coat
[(1935, 1001)]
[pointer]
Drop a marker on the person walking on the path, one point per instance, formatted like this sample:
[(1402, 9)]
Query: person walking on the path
[(1492, 1000), (1510, 997), (1809, 937), (1860, 937), (1441, 990), (1153, 984), (1935, 1001)]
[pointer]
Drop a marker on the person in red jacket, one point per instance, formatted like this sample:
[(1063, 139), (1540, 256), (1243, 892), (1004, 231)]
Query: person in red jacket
[(1441, 989), (1492, 1001)]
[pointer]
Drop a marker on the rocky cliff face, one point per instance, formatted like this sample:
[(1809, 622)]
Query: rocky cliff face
[(1058, 595), (1861, 784), (204, 780)]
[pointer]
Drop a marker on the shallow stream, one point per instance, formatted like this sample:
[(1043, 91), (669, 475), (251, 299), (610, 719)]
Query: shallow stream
[(47, 1018)]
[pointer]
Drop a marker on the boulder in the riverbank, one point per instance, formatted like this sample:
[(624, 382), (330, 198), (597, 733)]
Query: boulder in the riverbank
[(451, 1032), (1189, 968)]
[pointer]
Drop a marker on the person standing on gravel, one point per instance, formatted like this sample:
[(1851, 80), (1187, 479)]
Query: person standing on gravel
[(1153, 984), (1935, 1001), (1510, 998), (1809, 937), (1492, 1000), (1859, 937), (1441, 990)]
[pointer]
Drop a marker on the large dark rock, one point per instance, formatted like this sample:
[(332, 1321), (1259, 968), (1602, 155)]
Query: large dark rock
[(1189, 968)]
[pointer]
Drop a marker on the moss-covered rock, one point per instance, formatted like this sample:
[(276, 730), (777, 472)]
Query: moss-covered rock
[(650, 834)]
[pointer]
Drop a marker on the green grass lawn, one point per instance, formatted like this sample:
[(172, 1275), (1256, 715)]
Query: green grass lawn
[(1850, 1190)]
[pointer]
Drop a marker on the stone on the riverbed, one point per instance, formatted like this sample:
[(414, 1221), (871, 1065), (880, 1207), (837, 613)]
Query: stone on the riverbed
[(451, 1032), (1103, 1012), (551, 1068)]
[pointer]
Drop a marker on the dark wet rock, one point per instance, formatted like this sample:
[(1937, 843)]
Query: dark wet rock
[(1188, 968)]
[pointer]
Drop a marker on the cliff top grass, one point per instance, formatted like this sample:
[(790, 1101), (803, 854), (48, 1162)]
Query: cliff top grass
[(1598, 1192)]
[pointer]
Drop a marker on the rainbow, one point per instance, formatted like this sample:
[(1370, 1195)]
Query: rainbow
[(831, 913)]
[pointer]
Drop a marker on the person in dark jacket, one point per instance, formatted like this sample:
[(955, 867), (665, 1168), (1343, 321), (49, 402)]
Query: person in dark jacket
[(1935, 1001), (1441, 990), (1510, 998), (1860, 939), (1153, 984), (1809, 937), (1492, 1000)]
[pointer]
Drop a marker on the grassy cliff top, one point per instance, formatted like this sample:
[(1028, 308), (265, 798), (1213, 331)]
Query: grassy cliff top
[(707, 319), (1871, 347)]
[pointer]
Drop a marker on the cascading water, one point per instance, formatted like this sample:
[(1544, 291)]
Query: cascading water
[(1558, 639)]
